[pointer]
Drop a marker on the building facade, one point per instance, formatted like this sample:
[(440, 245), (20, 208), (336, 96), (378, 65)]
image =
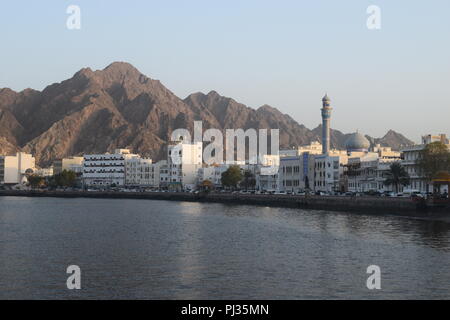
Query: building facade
[(184, 160), (105, 170), (411, 157), (14, 169), (69, 164), (328, 172), (140, 172)]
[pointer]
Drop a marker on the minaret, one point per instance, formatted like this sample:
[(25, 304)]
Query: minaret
[(326, 118)]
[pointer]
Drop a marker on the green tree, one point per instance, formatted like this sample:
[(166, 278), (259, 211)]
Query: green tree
[(396, 176), (433, 159), (232, 177), (248, 180), (64, 179), (36, 181)]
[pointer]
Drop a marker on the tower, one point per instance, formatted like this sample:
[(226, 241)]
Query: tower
[(326, 118)]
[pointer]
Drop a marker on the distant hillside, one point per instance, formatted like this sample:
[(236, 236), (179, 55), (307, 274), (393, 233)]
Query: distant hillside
[(117, 107)]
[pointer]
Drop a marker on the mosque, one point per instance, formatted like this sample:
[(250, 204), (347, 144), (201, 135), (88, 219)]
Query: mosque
[(333, 167), (357, 142)]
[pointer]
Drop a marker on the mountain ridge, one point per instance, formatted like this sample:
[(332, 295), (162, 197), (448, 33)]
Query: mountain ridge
[(118, 106)]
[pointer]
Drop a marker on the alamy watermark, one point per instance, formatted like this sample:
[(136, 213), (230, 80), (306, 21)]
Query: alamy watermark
[(374, 19), (374, 280), (74, 280), (213, 153), (73, 22)]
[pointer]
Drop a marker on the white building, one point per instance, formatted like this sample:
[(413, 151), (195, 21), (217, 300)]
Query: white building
[(291, 175), (13, 169), (362, 173), (328, 171), (410, 158), (164, 176), (184, 161), (105, 170), (368, 171), (139, 172), (266, 181), (213, 174)]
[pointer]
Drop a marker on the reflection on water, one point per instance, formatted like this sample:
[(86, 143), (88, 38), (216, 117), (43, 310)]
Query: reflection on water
[(144, 249)]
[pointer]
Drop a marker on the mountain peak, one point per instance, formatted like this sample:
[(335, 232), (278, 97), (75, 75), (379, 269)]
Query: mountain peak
[(213, 93), (120, 66)]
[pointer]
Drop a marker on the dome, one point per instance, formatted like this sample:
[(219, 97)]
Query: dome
[(326, 98), (357, 142)]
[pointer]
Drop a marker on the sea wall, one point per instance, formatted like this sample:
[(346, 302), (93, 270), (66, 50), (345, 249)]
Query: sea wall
[(372, 205)]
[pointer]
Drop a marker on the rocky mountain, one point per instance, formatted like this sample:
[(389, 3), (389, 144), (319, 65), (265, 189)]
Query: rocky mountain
[(392, 139), (119, 107)]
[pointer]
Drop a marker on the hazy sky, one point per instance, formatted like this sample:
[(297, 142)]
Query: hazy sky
[(283, 53)]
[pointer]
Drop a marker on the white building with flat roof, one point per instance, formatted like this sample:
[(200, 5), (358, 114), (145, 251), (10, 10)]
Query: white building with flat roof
[(13, 169), (411, 156), (105, 170), (183, 161), (328, 171), (211, 173), (139, 172)]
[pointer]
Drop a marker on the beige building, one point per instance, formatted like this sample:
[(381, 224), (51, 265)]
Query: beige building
[(142, 172), (13, 169), (70, 164), (314, 147)]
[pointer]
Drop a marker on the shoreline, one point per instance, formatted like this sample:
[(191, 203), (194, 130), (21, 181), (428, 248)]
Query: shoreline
[(366, 205)]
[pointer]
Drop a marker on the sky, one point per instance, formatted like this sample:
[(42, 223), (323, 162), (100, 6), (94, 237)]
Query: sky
[(285, 53)]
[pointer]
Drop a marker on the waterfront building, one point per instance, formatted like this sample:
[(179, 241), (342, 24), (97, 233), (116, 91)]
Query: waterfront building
[(105, 170), (296, 173), (139, 172), (410, 158), (162, 169), (367, 172), (267, 180), (184, 160), (14, 169), (329, 171), (362, 173), (69, 164), (212, 173)]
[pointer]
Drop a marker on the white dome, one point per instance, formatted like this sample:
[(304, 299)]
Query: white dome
[(357, 142)]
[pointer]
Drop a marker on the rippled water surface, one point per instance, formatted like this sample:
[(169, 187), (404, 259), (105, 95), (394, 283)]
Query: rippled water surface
[(141, 249)]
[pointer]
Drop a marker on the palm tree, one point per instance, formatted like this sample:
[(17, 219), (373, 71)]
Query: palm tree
[(396, 176)]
